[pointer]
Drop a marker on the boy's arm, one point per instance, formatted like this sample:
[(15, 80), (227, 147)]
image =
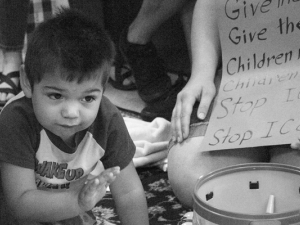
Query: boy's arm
[(30, 204), (129, 196), (205, 59)]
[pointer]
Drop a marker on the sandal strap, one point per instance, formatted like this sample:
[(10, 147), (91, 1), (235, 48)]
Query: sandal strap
[(8, 90), (122, 72), (14, 74), (7, 79), (120, 77)]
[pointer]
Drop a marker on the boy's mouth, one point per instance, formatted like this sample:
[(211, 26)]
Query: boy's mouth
[(67, 126)]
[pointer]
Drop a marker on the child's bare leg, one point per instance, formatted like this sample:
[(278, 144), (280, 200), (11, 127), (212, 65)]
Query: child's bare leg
[(12, 61), (13, 25), (186, 164)]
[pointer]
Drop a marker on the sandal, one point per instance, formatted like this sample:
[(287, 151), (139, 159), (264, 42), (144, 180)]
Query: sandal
[(148, 68), (122, 72), (7, 79)]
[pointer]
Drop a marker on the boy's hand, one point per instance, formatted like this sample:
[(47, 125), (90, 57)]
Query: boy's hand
[(94, 190)]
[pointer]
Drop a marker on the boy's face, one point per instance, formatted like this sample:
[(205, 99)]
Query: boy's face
[(64, 107)]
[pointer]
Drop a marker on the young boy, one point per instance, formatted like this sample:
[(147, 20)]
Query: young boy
[(186, 162), (63, 142)]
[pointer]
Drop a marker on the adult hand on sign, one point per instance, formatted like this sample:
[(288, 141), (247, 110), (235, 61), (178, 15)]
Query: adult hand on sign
[(204, 91), (206, 55)]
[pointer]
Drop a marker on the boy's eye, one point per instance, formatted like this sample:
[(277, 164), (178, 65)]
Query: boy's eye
[(89, 99), (55, 96)]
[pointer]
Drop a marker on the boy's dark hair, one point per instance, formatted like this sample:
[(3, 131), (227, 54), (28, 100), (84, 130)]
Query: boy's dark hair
[(71, 43)]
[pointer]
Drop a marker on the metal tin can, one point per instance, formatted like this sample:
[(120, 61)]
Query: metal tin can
[(248, 194)]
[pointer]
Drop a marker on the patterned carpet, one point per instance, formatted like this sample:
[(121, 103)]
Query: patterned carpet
[(163, 206)]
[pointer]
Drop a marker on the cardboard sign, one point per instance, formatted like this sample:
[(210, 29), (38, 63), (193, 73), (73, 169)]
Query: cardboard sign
[(258, 103)]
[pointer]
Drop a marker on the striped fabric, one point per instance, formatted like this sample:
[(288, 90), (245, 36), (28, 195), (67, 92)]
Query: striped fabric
[(41, 10)]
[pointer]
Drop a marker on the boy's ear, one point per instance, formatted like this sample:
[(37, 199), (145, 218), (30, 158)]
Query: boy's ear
[(25, 84)]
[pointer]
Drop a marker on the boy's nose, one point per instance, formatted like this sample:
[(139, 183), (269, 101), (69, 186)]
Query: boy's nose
[(70, 110)]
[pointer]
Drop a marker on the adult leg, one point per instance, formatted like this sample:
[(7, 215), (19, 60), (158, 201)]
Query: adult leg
[(186, 163), (153, 84), (13, 23), (186, 20), (152, 15), (1, 60)]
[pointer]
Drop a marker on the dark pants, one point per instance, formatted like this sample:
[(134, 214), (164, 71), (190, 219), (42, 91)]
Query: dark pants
[(13, 24)]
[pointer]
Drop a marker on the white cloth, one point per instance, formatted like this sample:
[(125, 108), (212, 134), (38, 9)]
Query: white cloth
[(151, 140)]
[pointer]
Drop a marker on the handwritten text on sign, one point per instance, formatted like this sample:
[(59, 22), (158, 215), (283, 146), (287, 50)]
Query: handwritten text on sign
[(258, 102)]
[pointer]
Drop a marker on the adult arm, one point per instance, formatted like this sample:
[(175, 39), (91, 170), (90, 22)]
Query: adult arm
[(205, 59)]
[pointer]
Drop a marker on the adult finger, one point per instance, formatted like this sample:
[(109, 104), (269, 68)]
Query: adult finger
[(205, 102), (186, 112), (175, 121)]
